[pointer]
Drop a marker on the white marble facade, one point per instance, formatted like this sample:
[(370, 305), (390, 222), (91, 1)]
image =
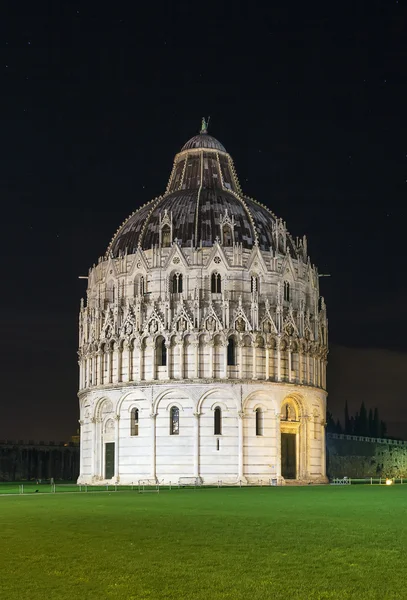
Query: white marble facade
[(203, 360)]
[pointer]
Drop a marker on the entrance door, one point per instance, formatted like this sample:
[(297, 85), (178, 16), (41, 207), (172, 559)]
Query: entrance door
[(288, 459), (109, 460)]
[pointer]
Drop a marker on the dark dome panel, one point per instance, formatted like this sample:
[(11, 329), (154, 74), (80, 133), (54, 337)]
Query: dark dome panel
[(264, 221), (180, 208), (203, 140), (128, 235), (203, 190), (213, 206), (183, 207)]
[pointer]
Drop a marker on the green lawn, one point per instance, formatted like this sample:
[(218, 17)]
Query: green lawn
[(285, 542)]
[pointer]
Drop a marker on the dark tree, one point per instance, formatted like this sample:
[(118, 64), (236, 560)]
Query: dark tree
[(383, 429), (363, 423), (370, 424), (347, 419), (330, 423), (338, 427), (376, 423), (356, 426)]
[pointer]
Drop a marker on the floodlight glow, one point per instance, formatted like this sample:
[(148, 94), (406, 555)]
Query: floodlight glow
[(389, 481)]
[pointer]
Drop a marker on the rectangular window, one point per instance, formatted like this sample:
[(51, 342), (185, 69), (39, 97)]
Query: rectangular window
[(259, 421), (217, 417), (134, 421), (174, 421)]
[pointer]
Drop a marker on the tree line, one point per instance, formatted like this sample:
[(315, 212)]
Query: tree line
[(363, 423)]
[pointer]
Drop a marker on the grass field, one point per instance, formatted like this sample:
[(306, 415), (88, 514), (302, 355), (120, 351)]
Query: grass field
[(279, 542)]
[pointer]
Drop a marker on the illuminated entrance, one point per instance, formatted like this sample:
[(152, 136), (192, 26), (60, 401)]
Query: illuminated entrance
[(109, 460), (288, 456), (290, 426)]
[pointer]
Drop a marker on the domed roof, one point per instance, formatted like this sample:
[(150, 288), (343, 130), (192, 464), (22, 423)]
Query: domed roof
[(203, 140), (202, 196)]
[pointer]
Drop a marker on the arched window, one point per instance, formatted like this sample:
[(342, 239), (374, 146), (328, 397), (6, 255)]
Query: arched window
[(286, 291), (177, 283), (174, 421), (259, 421), (161, 352), (139, 285), (110, 292), (255, 282), (231, 352), (216, 284), (166, 236), (227, 236), (134, 421), (217, 421)]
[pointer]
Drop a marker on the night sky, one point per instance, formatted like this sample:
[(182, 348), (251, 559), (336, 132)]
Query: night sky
[(312, 108)]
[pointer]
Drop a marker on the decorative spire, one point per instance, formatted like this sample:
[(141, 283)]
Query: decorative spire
[(204, 125)]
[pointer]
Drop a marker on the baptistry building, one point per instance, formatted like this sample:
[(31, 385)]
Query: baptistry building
[(203, 339)]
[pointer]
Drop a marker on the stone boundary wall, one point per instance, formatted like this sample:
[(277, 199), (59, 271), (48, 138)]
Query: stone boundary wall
[(21, 461), (362, 438), (35, 443), (360, 456)]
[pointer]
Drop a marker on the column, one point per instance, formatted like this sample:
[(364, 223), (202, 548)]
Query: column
[(89, 370), (289, 363), (153, 445), (267, 362), (278, 445), (80, 374), (196, 445), (153, 360), (129, 361), (303, 445), (140, 360), (211, 345), (240, 365), (94, 369), (225, 361), (300, 366), (254, 366), (94, 447), (308, 380), (119, 364), (181, 359), (116, 449), (278, 360), (101, 378), (168, 364), (80, 449), (196, 359), (109, 366), (323, 449), (240, 471)]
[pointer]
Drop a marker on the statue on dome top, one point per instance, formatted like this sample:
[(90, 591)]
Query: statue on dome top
[(204, 125)]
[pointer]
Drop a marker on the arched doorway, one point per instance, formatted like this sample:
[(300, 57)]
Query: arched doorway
[(290, 439)]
